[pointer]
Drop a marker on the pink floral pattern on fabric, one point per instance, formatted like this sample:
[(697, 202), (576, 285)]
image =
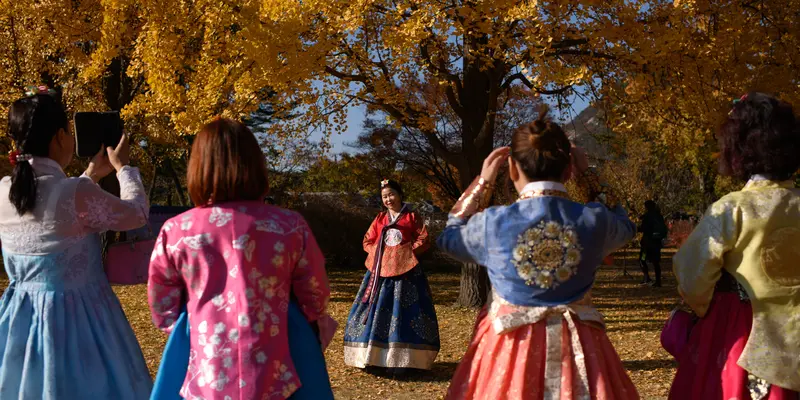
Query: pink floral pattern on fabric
[(237, 266)]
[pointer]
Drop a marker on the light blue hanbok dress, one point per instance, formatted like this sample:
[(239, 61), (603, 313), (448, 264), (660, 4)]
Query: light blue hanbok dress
[(63, 334)]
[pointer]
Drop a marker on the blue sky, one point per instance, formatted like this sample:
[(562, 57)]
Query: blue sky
[(355, 118)]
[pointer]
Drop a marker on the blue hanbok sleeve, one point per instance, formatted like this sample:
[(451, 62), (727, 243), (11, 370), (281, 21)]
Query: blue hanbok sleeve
[(619, 228), (465, 239)]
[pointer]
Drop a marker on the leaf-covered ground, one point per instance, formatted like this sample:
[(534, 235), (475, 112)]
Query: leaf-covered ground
[(634, 316)]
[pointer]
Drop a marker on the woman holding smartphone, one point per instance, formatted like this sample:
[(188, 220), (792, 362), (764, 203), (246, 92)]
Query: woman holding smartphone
[(64, 334)]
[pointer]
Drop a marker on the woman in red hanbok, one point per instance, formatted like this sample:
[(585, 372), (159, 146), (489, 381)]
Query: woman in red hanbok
[(393, 323)]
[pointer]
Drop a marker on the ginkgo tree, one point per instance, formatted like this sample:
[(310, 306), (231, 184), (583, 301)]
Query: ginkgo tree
[(169, 66), (690, 61), (402, 58), (416, 60)]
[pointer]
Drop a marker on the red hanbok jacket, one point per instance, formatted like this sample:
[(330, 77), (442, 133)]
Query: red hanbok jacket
[(403, 241)]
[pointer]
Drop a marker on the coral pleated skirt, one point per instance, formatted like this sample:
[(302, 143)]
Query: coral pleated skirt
[(512, 365)]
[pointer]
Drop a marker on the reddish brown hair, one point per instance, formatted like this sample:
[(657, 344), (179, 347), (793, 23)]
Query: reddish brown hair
[(541, 148), (226, 164)]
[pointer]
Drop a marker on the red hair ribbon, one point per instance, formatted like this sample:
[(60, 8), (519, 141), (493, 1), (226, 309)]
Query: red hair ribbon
[(12, 157)]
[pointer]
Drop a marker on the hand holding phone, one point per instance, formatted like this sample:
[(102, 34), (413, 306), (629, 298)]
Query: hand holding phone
[(120, 156), (109, 159)]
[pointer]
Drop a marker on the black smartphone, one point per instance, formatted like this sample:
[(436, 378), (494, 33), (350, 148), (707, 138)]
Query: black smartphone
[(94, 130)]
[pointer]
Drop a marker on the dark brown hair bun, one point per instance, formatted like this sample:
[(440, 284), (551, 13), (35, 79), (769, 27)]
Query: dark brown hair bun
[(541, 148)]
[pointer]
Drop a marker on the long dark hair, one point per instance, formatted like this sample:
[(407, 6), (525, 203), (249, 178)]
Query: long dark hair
[(33, 121)]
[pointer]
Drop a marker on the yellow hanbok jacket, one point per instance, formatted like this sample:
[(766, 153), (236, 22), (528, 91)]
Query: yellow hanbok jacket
[(755, 235)]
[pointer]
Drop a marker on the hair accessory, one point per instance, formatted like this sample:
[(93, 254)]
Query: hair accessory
[(384, 183), (14, 157), (24, 158), (41, 89), (737, 101)]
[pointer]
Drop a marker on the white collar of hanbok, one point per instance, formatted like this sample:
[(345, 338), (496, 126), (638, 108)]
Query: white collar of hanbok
[(544, 185), (47, 166), (759, 177)]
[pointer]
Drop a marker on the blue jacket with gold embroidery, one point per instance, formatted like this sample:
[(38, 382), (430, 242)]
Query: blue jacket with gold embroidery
[(542, 251)]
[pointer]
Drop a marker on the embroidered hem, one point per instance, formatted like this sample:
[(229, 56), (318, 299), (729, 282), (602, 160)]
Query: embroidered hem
[(391, 355)]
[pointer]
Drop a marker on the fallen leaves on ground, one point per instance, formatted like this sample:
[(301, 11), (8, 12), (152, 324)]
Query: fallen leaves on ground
[(634, 317)]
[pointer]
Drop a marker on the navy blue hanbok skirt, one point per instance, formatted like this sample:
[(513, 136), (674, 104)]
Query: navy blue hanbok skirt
[(401, 330)]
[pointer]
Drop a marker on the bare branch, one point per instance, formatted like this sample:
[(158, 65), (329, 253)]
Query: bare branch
[(346, 77), (453, 96), (519, 76), (563, 44), (525, 81)]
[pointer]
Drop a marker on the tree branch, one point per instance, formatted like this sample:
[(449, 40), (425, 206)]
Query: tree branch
[(16, 51), (346, 77), (453, 96), (525, 81), (574, 52)]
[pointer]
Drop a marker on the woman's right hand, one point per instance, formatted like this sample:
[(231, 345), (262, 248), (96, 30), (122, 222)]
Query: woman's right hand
[(121, 155), (492, 164), (99, 167)]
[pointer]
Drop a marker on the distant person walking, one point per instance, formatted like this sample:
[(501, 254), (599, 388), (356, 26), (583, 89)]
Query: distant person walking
[(654, 231)]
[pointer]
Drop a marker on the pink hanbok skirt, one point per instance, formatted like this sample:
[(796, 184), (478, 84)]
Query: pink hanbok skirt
[(512, 365), (707, 367)]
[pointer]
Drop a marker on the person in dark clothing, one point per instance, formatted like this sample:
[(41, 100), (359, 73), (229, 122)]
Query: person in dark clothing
[(654, 231)]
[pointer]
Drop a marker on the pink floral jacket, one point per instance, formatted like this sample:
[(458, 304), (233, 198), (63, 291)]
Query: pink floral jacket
[(236, 265)]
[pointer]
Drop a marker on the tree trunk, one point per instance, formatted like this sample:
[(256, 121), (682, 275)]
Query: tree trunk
[(474, 286), (112, 90), (477, 101), (707, 186), (176, 181), (152, 189)]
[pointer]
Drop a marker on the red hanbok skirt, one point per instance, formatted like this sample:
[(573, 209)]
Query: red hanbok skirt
[(512, 365), (707, 367)]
